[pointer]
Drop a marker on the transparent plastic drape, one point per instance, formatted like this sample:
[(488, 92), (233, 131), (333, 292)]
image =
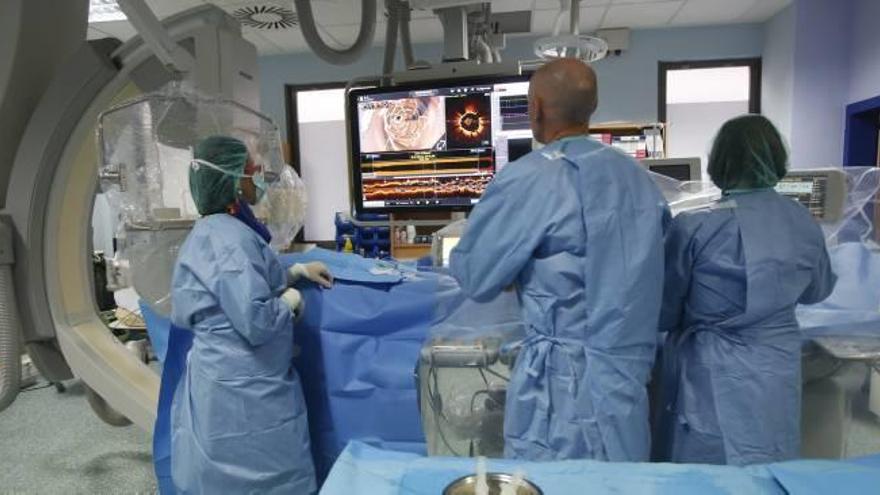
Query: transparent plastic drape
[(147, 148)]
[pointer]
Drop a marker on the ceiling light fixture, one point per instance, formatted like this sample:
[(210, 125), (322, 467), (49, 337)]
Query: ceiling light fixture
[(266, 17), (573, 45), (586, 48), (105, 11)]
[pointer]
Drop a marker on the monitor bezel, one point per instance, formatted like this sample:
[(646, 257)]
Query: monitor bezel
[(836, 189), (693, 163), (354, 136)]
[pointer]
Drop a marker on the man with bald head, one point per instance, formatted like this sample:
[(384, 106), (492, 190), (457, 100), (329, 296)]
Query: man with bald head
[(577, 228), (562, 97)]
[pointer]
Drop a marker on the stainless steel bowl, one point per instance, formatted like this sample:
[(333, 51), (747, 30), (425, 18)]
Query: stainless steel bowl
[(466, 485)]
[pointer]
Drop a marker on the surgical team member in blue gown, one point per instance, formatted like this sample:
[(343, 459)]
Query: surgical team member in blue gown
[(731, 386), (578, 228), (238, 416)]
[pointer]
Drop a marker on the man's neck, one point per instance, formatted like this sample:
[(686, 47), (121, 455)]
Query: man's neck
[(581, 130)]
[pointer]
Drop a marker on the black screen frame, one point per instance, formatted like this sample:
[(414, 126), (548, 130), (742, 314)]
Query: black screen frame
[(354, 136)]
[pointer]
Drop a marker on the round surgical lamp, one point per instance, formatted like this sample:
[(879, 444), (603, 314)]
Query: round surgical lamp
[(583, 47), (572, 44)]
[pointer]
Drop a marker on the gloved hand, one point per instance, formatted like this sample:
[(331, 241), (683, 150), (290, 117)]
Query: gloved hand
[(316, 272), (293, 299)]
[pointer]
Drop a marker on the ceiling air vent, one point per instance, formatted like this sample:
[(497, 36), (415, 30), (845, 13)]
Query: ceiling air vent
[(266, 17)]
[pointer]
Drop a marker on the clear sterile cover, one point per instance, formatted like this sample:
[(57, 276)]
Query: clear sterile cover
[(685, 196), (463, 371), (850, 316), (146, 147), (857, 222)]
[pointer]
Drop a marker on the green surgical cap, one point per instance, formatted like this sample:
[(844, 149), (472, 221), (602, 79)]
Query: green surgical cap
[(211, 189), (748, 154)]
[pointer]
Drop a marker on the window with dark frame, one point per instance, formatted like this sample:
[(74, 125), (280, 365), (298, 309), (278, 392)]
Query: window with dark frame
[(754, 65), (291, 91)]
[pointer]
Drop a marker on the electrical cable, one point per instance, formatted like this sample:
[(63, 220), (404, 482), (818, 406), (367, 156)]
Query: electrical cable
[(35, 387), (434, 400), (483, 374), (499, 375), (477, 394)]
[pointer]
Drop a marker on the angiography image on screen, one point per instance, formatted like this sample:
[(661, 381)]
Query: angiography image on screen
[(432, 146), (405, 124)]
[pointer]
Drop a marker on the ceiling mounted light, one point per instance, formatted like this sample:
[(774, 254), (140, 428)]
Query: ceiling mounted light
[(572, 45), (266, 17), (105, 11), (583, 47)]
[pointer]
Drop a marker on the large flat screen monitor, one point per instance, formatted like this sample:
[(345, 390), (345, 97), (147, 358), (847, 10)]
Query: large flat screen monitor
[(434, 146)]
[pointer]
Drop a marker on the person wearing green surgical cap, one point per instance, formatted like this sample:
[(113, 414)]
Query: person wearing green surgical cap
[(238, 418), (748, 154), (730, 389), (218, 177)]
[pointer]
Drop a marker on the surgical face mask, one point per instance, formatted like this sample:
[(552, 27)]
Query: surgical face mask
[(258, 177), (259, 181)]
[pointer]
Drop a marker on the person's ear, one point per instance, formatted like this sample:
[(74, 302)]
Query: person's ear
[(536, 117), (535, 108)]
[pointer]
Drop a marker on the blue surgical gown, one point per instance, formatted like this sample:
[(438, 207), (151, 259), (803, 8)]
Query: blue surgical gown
[(578, 228), (731, 384), (238, 416)]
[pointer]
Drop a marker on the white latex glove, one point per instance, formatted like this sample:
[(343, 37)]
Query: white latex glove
[(316, 272), (295, 301)]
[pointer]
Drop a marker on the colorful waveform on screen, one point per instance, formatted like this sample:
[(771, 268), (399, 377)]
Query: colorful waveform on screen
[(432, 166), (514, 113), (425, 188)]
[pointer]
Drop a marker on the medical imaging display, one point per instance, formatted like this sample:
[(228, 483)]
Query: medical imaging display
[(515, 112), (432, 146), (808, 191), (403, 124), (468, 121)]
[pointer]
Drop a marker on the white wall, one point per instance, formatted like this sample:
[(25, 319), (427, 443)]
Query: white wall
[(819, 56), (777, 83), (835, 48), (324, 171), (627, 84), (821, 82), (323, 160), (693, 126), (865, 62)]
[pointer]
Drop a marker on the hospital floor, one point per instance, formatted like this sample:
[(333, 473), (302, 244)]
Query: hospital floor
[(52, 442)]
